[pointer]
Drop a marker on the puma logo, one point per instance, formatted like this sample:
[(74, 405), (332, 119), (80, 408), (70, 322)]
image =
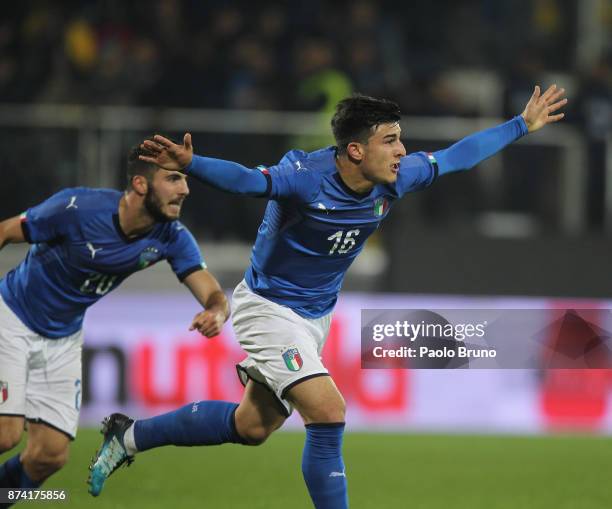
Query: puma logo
[(72, 204), (92, 250), (322, 207)]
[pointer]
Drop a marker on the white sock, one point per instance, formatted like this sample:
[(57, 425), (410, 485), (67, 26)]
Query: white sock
[(129, 442)]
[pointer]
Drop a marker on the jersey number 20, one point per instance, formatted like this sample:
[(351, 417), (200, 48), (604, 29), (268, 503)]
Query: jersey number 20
[(343, 241), (100, 284)]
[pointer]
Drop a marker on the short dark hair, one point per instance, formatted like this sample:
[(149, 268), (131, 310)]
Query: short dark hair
[(135, 166), (356, 116)]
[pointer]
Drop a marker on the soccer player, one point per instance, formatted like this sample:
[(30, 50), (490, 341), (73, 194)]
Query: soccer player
[(85, 242), (322, 207)]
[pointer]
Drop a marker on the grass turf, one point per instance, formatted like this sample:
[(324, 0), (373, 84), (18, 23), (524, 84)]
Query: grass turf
[(384, 471)]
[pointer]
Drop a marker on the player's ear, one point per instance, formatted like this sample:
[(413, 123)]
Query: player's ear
[(355, 151), (140, 184)]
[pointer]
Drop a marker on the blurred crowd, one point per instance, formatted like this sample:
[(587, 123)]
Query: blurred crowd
[(443, 57), (282, 54)]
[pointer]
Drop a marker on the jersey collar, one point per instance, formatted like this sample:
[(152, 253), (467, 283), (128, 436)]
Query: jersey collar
[(122, 234), (348, 190)]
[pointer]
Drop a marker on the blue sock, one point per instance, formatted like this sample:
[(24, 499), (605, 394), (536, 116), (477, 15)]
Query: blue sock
[(12, 475), (323, 467), (202, 423)]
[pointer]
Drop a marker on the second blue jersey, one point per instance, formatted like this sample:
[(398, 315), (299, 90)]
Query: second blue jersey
[(315, 226), (80, 253)]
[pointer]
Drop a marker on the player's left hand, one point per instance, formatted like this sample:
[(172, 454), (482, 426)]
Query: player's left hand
[(208, 323), (538, 111)]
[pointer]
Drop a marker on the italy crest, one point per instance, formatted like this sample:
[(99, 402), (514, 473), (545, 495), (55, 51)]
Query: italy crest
[(3, 391), (148, 257), (293, 359), (381, 205)]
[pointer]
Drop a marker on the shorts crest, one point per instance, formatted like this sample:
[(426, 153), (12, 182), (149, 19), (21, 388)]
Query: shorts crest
[(3, 392), (293, 359)]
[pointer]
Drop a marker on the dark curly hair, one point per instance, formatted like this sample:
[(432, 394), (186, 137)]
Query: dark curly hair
[(137, 167)]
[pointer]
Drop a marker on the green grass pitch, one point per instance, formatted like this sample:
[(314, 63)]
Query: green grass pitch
[(384, 471)]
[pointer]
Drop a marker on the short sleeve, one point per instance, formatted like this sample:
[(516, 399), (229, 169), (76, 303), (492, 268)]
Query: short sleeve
[(417, 171), (51, 219), (184, 253), (292, 178)]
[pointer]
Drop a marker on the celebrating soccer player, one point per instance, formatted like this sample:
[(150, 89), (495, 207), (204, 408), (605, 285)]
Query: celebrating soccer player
[(322, 207), (85, 242)]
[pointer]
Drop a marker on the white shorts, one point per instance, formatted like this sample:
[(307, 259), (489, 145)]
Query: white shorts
[(40, 378), (283, 348)]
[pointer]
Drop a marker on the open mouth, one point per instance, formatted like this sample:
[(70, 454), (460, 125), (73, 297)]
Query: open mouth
[(178, 203), (395, 167)]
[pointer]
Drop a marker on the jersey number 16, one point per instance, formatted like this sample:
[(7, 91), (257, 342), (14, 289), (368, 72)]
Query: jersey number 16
[(343, 241)]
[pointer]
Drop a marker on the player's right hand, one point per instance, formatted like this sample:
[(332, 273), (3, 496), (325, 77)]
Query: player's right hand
[(166, 154), (208, 323)]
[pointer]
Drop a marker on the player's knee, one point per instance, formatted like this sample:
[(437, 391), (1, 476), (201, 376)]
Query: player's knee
[(51, 463), (9, 437), (333, 414), (333, 411), (256, 435), (45, 461), (8, 441)]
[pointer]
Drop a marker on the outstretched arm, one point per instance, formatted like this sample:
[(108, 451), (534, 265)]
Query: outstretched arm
[(11, 231), (225, 175), (476, 148), (207, 291)]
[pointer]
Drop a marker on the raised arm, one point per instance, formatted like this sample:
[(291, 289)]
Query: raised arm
[(11, 231), (207, 291), (225, 175), (475, 148)]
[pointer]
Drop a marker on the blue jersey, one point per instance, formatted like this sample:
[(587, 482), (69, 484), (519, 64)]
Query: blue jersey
[(80, 253), (315, 226)]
